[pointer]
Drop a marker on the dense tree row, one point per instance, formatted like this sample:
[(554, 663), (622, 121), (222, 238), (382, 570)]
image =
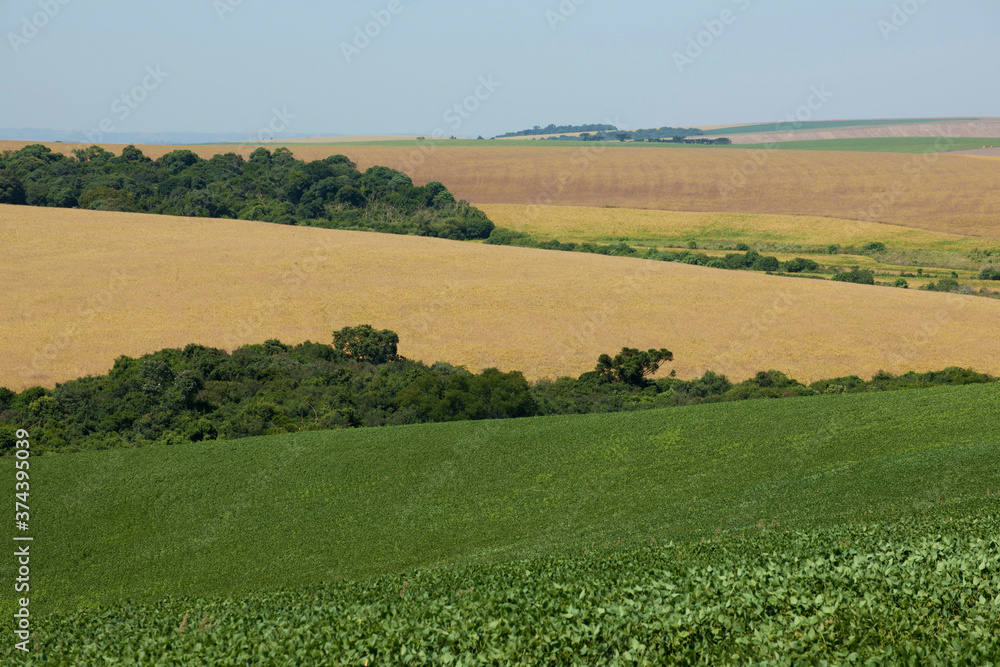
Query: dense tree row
[(199, 393), (272, 187), (558, 129), (745, 259)]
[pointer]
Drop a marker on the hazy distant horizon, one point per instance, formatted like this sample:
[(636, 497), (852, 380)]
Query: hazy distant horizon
[(182, 137), (405, 67)]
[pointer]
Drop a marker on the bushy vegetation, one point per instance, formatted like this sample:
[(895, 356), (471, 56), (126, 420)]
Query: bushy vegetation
[(989, 273), (913, 592), (748, 259), (856, 275), (199, 393), (271, 187)]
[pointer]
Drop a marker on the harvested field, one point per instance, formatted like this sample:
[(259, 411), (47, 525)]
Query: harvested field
[(916, 191), (977, 128), (676, 228), (83, 287)]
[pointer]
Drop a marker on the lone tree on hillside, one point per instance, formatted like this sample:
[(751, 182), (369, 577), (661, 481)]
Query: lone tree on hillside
[(364, 343), (632, 366)]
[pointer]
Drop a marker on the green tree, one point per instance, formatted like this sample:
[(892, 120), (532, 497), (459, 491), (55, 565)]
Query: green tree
[(632, 366), (365, 343), (11, 189), (766, 264)]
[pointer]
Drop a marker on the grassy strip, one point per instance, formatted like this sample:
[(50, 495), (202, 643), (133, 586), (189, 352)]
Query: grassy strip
[(891, 144), (826, 124)]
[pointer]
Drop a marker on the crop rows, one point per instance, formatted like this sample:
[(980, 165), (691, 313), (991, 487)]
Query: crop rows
[(923, 591)]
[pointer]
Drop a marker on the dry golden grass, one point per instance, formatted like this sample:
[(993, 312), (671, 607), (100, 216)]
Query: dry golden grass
[(675, 228), (341, 140), (941, 193), (83, 287), (977, 128)]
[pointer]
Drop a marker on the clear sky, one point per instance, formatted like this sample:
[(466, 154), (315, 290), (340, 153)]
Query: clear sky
[(229, 65)]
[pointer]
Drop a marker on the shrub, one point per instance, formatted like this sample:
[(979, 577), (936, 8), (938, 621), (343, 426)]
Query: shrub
[(798, 265), (944, 285), (766, 264), (503, 236), (856, 275), (872, 248)]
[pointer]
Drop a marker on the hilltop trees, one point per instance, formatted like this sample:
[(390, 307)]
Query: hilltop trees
[(366, 344), (631, 366), (270, 187), (11, 189)]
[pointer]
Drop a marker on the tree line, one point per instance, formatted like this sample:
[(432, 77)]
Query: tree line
[(271, 187), (558, 129), (200, 393)]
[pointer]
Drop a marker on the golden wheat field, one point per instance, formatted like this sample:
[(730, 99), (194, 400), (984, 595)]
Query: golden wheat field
[(675, 228), (83, 287), (941, 193)]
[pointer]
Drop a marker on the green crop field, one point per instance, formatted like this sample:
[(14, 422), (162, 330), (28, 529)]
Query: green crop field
[(823, 125), (355, 542), (890, 144)]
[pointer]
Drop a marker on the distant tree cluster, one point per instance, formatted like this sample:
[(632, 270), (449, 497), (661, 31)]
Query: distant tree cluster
[(558, 129), (663, 134), (271, 187), (199, 393)]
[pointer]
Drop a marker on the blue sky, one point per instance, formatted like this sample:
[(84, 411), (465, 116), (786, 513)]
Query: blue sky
[(237, 66)]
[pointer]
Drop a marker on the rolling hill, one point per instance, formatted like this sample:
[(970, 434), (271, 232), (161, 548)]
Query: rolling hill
[(105, 284), (229, 516), (916, 191), (823, 527)]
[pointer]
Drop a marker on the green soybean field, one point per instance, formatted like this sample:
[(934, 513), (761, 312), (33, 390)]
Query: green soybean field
[(855, 528)]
